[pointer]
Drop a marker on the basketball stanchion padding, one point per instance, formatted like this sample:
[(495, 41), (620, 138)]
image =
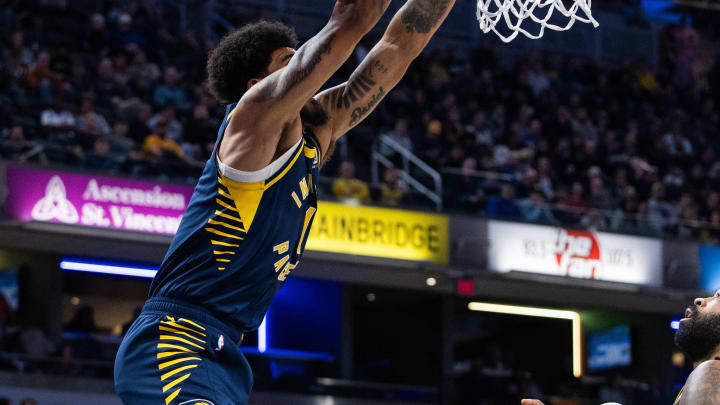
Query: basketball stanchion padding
[(514, 12)]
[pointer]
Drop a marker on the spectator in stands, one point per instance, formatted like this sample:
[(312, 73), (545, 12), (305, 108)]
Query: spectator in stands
[(479, 130), (661, 213), (168, 94), (90, 122), (95, 39), (83, 320), (28, 401), (392, 188), (100, 158), (125, 37), (108, 89), (400, 135), (535, 209), (43, 79), (158, 146), (174, 127), (464, 192), (17, 50), (348, 188), (120, 144), (143, 74), (15, 147), (504, 206), (576, 202), (201, 130), (58, 121)]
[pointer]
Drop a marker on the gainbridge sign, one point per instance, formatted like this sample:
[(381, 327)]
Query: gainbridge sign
[(574, 253), (380, 232)]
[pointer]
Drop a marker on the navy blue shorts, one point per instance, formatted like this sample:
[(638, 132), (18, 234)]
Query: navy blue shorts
[(179, 354)]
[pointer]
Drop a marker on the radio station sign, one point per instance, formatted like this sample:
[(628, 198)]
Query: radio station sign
[(572, 253), (95, 201), (380, 232)]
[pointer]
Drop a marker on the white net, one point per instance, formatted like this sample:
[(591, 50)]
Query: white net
[(515, 12)]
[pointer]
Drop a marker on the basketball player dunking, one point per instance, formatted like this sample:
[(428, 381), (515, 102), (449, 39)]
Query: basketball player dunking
[(247, 223), (699, 338)]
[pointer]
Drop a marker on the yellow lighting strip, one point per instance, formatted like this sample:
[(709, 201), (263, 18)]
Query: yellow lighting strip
[(542, 313)]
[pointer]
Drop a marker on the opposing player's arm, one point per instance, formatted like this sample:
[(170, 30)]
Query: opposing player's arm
[(407, 35), (703, 386)]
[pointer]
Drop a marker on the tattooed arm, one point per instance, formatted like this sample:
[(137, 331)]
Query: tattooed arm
[(703, 386), (407, 35), (271, 106)]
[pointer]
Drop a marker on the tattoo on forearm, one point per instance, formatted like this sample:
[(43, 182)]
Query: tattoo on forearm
[(358, 87), (421, 16), (271, 90), (360, 112)]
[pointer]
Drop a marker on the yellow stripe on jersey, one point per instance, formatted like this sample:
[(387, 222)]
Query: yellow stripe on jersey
[(218, 243), (166, 329), (176, 361), (176, 382), (177, 370), (169, 346), (191, 323), (226, 216), (172, 396), (308, 216), (226, 205), (179, 339), (218, 252), (225, 224), (162, 355), (227, 235), (177, 325)]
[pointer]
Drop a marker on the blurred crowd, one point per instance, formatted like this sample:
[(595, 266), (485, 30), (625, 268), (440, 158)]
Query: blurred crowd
[(547, 138)]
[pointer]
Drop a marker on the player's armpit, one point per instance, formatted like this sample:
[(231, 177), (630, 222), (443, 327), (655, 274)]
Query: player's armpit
[(703, 386)]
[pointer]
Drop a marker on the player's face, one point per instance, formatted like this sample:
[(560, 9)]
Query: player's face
[(709, 305), (279, 59), (699, 332)]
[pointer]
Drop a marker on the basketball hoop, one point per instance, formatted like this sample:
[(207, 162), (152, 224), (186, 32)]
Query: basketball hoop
[(514, 12)]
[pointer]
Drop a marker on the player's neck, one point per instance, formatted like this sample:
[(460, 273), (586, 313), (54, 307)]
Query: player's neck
[(714, 355)]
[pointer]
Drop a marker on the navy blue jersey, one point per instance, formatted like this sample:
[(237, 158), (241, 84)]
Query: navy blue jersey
[(238, 241)]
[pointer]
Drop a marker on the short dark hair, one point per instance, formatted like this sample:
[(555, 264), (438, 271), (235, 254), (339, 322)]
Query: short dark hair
[(245, 54)]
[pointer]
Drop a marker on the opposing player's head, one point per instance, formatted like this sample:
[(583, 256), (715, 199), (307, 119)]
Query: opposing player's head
[(699, 332), (247, 55)]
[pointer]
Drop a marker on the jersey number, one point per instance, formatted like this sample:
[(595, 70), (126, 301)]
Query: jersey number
[(283, 267)]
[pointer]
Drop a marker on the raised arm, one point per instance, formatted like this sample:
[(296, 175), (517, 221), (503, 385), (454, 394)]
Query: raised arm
[(407, 35), (703, 386)]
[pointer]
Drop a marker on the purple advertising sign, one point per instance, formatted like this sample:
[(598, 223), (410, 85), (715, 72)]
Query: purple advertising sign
[(88, 200)]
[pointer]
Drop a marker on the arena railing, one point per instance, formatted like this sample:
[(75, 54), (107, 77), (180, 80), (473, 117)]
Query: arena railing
[(385, 146)]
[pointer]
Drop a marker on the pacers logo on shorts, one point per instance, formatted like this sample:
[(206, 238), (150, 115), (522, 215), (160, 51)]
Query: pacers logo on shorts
[(197, 402)]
